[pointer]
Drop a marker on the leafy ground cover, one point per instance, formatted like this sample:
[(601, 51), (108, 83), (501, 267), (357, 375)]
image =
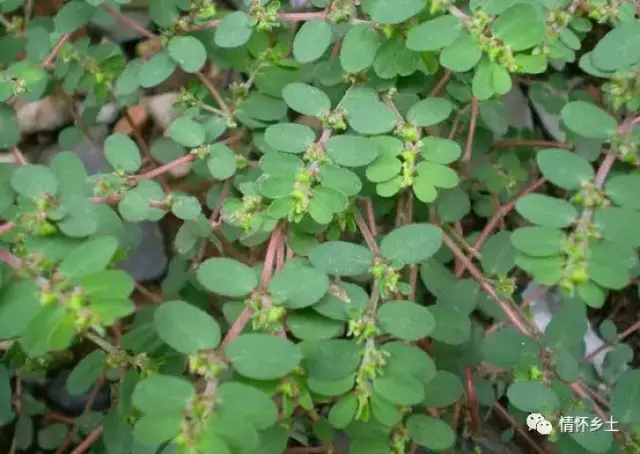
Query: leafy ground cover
[(268, 227)]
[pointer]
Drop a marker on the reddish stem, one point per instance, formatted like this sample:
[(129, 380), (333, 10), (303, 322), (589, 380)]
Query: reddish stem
[(364, 230), (153, 173), (472, 400), (472, 129), (90, 440)]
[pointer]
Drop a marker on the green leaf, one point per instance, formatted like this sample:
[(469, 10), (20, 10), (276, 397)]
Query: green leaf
[(439, 150), (311, 41), (155, 429), (86, 373), (332, 359), (509, 348), (395, 11), (399, 389), (462, 55), (187, 132), (563, 168), (188, 52), (520, 27), (186, 207), (19, 305), (33, 181), (89, 257), (434, 34), (227, 277), (626, 393), (263, 356), (6, 397), (405, 320), (341, 258), (298, 285), (442, 390), (73, 15), (343, 412), (247, 402), (532, 396), (159, 394), (156, 70), (588, 120), (9, 127), (538, 241), (340, 300), (437, 175), (122, 153), (619, 48), (411, 244), (52, 436), (359, 48), (546, 211), (623, 190), (290, 137), (351, 150), (221, 161), (430, 111), (619, 225), (430, 432), (598, 441), (310, 325), (195, 331), (306, 99), (234, 30), (498, 255)]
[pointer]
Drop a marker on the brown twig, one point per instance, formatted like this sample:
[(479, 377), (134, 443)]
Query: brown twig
[(472, 129)]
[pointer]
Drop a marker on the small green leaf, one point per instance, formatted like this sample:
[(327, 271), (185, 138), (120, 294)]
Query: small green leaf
[(546, 211), (9, 127), (623, 190), (298, 285), (263, 356), (158, 394), (86, 373), (234, 30), (430, 111), (619, 48), (290, 137), (430, 432), (434, 34), (227, 277), (33, 181), (221, 161), (625, 396), (247, 402), (188, 52), (520, 27), (351, 150), (538, 241), (122, 153), (563, 168), (187, 132), (185, 327), (89, 257), (395, 11), (359, 48), (588, 120), (156, 70), (306, 99), (311, 41), (341, 258), (412, 243), (532, 396), (405, 320)]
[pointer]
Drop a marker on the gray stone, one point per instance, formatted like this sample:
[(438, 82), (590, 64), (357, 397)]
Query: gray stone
[(69, 404), (547, 305), (148, 260)]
